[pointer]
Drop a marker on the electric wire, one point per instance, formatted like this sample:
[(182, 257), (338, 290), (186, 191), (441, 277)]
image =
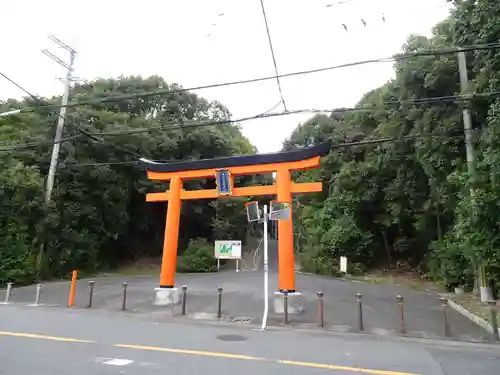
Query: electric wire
[(272, 53), (78, 128), (367, 107), (394, 58)]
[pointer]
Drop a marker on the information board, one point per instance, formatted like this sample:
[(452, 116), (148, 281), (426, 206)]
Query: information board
[(228, 249)]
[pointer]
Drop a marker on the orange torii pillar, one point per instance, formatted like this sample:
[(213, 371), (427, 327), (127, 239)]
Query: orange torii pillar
[(281, 163), (171, 239), (286, 262)]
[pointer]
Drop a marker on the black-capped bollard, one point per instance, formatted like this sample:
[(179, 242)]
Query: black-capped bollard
[(493, 318), (401, 306), (444, 304), (219, 302), (184, 297), (124, 300), (359, 303), (91, 293), (321, 310), (7, 292), (285, 305)]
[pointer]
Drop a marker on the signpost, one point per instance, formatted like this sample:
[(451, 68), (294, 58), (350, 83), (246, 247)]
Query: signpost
[(266, 273), (228, 250), (278, 211)]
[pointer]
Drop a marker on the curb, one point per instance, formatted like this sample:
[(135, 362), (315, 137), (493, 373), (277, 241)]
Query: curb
[(471, 316)]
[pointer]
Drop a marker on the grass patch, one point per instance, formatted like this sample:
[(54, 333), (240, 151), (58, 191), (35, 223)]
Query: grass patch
[(473, 304), (407, 279), (143, 266)]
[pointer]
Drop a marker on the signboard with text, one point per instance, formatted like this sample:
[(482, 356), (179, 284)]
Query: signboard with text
[(223, 181), (228, 249)]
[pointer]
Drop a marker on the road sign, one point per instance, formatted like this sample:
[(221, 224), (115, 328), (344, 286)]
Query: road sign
[(253, 212), (228, 249), (223, 181), (279, 210)]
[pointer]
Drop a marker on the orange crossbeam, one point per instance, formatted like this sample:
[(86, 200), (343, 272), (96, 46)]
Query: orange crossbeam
[(306, 187), (238, 171)]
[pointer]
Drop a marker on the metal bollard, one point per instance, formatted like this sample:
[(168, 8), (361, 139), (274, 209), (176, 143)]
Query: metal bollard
[(184, 296), (91, 292), (321, 310), (38, 293), (219, 302), (401, 307), (124, 301), (7, 292), (494, 321), (285, 305), (444, 303), (359, 303)]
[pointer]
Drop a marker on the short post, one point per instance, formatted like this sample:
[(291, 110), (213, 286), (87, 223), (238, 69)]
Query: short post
[(72, 289), (124, 300), (321, 310), (184, 296), (219, 302), (38, 293), (493, 318), (444, 304), (285, 305), (401, 307), (91, 292), (7, 292), (359, 303)]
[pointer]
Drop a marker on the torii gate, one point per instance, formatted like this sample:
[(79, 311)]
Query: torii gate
[(283, 163)]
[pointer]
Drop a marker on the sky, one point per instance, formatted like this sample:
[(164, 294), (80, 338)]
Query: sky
[(202, 42)]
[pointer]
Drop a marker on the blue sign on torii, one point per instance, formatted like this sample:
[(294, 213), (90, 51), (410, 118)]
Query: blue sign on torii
[(223, 181)]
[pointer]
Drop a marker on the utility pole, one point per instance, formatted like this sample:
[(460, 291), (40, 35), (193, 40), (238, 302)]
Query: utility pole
[(60, 126), (464, 82), (485, 291), (60, 121)]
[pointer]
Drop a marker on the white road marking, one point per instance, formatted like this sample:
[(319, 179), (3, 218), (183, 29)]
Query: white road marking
[(118, 362)]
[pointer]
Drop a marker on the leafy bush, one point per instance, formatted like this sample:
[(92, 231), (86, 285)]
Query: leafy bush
[(356, 269), (314, 262), (198, 257)]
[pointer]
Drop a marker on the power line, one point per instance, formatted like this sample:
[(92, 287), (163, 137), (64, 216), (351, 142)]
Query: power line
[(367, 107), (36, 144), (79, 129), (335, 146), (272, 53), (394, 58)]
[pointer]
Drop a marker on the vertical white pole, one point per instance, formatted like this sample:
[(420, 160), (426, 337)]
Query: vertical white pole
[(266, 276), (237, 265), (218, 265)]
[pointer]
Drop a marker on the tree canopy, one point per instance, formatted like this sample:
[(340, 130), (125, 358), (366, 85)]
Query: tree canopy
[(98, 216), (410, 202), (407, 202)]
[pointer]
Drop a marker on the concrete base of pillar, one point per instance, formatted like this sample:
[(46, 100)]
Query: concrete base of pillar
[(295, 303), (166, 296)]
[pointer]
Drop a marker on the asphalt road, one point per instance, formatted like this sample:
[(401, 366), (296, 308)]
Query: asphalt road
[(43, 340), (243, 301)]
